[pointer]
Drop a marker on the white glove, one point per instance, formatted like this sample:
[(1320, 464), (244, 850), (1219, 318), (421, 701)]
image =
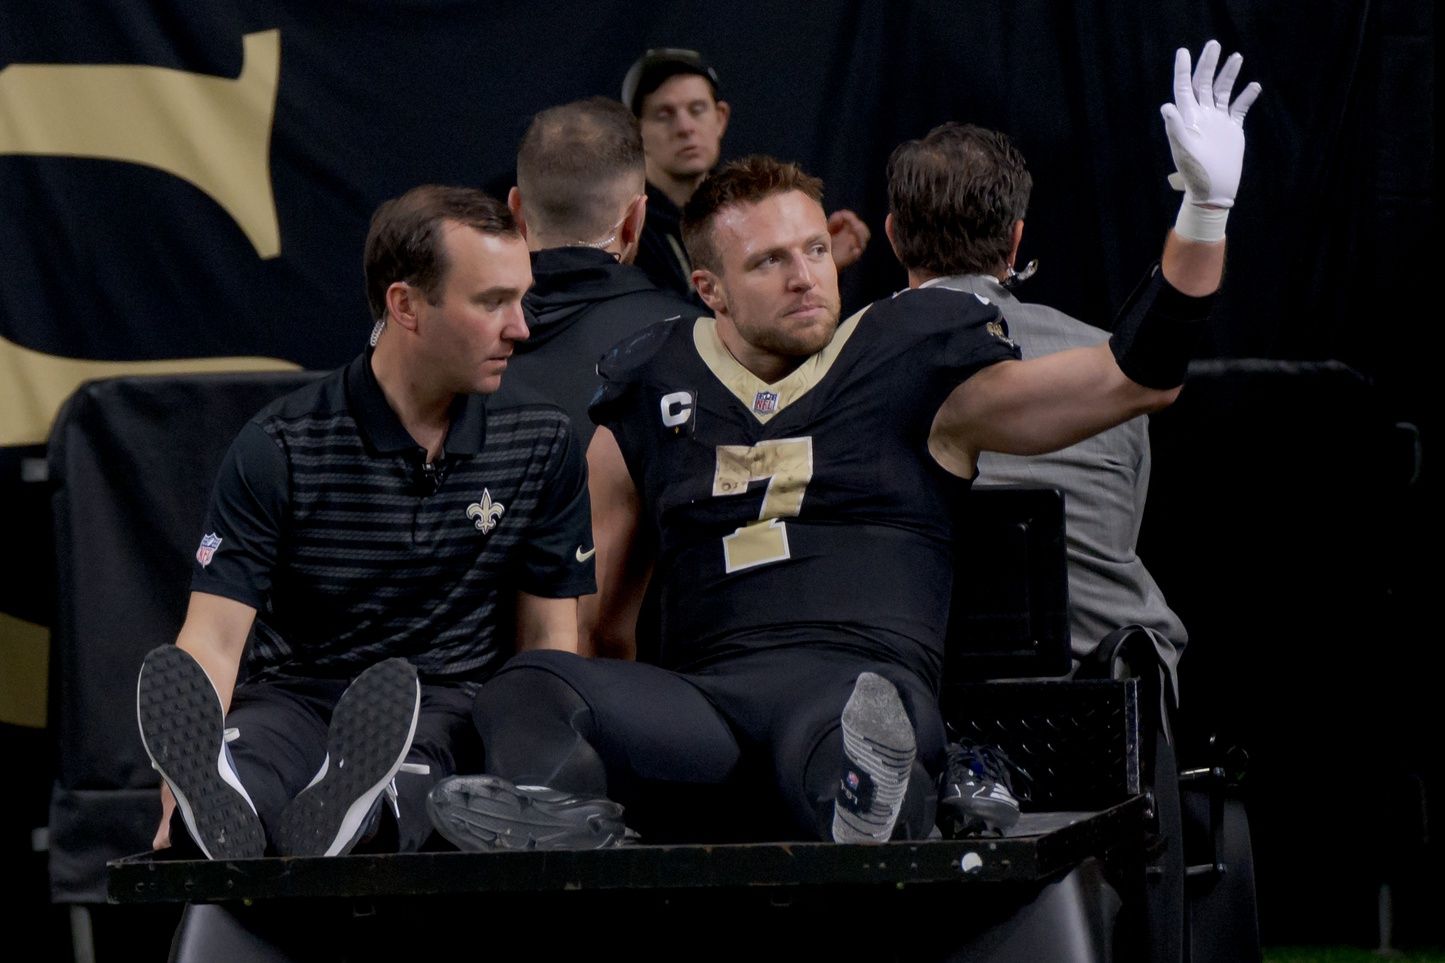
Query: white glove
[(1206, 137)]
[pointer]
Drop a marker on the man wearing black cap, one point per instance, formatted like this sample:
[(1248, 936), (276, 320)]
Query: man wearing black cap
[(674, 94)]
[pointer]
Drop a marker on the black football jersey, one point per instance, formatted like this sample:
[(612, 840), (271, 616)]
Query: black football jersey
[(808, 510)]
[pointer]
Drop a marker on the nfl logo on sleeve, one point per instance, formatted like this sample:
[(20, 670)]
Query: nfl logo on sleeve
[(207, 551)]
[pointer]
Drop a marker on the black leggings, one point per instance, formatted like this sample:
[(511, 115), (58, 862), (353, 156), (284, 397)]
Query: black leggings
[(745, 748)]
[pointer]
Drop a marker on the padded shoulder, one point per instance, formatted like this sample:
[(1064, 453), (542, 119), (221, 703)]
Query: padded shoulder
[(925, 310), (626, 364), (628, 357)]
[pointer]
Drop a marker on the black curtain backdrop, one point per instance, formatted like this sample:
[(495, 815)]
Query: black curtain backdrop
[(1331, 248), (111, 260)]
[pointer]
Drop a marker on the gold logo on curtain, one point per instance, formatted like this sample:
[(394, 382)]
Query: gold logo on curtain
[(212, 132)]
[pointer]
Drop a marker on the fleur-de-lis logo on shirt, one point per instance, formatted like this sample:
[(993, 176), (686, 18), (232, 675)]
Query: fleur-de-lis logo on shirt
[(997, 329), (484, 514)]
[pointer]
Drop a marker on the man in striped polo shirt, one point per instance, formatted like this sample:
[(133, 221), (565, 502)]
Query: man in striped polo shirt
[(385, 537)]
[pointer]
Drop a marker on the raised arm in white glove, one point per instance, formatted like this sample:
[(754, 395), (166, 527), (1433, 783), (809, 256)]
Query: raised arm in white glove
[(1206, 137)]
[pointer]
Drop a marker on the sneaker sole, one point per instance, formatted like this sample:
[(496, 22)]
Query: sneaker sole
[(488, 814), (370, 735), (183, 732), (972, 817), (878, 740)]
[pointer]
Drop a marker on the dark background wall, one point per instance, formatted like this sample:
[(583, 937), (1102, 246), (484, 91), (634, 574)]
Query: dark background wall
[(1287, 515), (120, 261)]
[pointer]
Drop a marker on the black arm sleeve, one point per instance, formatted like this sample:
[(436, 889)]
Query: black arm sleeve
[(1157, 330)]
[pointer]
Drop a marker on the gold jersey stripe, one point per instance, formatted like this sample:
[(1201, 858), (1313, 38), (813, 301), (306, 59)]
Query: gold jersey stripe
[(745, 385)]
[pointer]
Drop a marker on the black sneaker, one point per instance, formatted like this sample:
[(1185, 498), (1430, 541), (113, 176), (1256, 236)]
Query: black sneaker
[(370, 735), (490, 814), (977, 794), (878, 751), (184, 734)]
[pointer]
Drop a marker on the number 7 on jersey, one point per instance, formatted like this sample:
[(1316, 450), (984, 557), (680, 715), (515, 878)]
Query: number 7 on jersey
[(787, 464)]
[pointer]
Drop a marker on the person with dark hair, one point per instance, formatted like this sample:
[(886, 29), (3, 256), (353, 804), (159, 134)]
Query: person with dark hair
[(957, 200), (674, 94), (579, 203), (799, 475), (385, 537)]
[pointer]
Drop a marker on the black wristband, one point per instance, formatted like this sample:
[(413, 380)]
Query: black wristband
[(1156, 331)]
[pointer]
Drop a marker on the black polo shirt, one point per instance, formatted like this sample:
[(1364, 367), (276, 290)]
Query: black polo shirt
[(326, 520)]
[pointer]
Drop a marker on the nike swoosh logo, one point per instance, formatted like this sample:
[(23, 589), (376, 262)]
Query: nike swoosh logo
[(584, 556)]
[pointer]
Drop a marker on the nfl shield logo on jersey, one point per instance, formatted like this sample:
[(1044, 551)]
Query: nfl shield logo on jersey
[(765, 402), (207, 551)]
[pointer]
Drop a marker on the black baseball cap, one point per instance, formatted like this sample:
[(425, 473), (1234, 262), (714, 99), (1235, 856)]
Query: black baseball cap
[(656, 66)]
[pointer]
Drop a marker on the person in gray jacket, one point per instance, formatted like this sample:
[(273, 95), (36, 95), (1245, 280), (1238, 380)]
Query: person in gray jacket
[(957, 200)]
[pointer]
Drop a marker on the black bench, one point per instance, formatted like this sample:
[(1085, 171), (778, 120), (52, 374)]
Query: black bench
[(1051, 889)]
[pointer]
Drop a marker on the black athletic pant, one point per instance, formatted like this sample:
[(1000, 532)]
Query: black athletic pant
[(699, 754), (282, 743)]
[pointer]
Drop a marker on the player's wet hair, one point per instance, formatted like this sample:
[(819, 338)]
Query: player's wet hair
[(747, 180)]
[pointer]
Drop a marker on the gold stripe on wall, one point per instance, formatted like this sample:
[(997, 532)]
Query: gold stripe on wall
[(212, 132), (24, 665), (34, 385)]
